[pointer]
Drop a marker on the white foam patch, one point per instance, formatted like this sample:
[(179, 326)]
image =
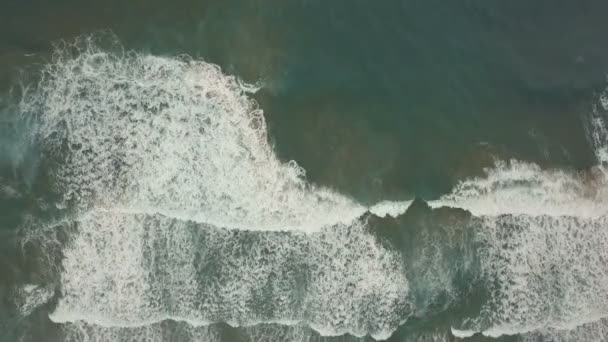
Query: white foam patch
[(158, 156), (517, 187), (543, 243), (598, 132), (29, 297), (176, 332), (592, 331), (161, 154), (543, 272), (390, 208), (172, 136), (524, 188), (8, 191), (127, 270), (462, 333), (84, 332), (436, 335)]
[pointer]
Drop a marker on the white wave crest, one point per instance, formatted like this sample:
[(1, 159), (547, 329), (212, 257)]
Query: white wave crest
[(30, 296), (172, 136), (135, 270), (524, 188), (158, 156), (543, 238)]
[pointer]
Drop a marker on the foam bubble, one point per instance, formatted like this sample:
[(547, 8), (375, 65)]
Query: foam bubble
[(598, 129), (177, 332), (135, 270), (81, 331), (172, 136), (524, 188), (592, 331), (157, 156), (29, 297), (462, 333), (390, 208), (542, 242), (543, 272)]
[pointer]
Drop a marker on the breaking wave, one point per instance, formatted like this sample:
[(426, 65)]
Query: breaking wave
[(184, 216), (173, 136), (166, 167), (544, 244)]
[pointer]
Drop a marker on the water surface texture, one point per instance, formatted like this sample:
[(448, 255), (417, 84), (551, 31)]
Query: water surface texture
[(303, 171)]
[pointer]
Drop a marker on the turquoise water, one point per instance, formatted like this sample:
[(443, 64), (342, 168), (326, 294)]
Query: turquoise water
[(303, 170)]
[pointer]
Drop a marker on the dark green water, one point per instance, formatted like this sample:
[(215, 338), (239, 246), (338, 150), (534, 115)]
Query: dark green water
[(385, 100)]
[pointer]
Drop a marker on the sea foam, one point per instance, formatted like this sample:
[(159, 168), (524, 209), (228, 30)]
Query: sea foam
[(172, 136), (543, 243), (184, 213)]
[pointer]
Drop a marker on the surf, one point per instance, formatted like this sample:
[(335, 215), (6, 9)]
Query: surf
[(184, 213)]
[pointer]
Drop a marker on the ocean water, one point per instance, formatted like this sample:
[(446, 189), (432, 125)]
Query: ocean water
[(303, 171)]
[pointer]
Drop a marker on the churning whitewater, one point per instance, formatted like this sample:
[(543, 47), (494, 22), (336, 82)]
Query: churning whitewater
[(161, 158), (171, 136), (182, 212), (545, 245)]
